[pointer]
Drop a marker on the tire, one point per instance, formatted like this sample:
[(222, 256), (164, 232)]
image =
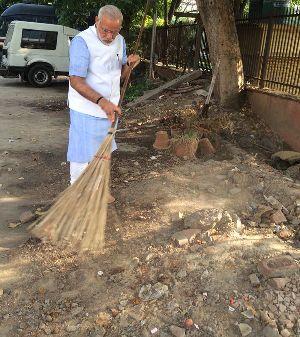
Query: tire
[(40, 76)]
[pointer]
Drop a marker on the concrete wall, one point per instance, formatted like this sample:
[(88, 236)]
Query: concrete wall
[(281, 113)]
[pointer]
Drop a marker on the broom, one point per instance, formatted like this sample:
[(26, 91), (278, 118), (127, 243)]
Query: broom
[(78, 217)]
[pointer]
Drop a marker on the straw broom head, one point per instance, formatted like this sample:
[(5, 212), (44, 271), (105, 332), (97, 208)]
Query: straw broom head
[(78, 216)]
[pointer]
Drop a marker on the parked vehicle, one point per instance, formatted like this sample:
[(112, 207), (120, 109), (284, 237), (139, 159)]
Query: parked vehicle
[(36, 51), (25, 12)]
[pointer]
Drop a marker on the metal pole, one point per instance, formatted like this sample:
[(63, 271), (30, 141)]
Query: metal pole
[(151, 71)]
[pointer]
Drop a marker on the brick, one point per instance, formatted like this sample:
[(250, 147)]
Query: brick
[(278, 266), (278, 217), (186, 236), (279, 282)]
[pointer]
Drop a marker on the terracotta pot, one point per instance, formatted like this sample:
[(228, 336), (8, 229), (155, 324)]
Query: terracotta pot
[(186, 149), (162, 141), (206, 148)]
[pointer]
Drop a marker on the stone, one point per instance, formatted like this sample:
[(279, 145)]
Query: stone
[(270, 331), (26, 217), (285, 333), (285, 234), (176, 217), (203, 219), (282, 308), (295, 222), (245, 329), (1, 292), (292, 157), (149, 292), (188, 323), (278, 266), (279, 282), (71, 328), (201, 92), (274, 202), (265, 317), (289, 324), (176, 331), (181, 274), (263, 212), (254, 280), (185, 237), (278, 217), (103, 319)]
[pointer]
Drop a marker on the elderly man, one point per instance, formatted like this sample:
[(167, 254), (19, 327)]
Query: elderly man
[(98, 61)]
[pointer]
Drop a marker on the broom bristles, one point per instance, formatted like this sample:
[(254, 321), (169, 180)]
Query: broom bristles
[(78, 216)]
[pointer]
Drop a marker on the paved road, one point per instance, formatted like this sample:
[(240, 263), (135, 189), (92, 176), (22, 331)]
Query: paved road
[(24, 128)]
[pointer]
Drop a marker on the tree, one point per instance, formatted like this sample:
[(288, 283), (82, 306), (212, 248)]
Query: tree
[(219, 23)]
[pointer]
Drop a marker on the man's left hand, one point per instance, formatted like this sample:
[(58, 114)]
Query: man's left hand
[(133, 60)]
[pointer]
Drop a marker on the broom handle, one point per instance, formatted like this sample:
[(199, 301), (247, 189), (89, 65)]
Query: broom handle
[(136, 47)]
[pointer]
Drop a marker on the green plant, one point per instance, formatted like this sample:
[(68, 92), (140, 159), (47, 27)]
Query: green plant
[(137, 89), (187, 136)]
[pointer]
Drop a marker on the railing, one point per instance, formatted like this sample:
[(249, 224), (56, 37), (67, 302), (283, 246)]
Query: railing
[(270, 47)]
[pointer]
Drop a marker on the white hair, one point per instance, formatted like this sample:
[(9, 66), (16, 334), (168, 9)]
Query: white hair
[(110, 11)]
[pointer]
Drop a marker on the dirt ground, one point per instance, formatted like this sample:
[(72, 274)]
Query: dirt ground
[(145, 284)]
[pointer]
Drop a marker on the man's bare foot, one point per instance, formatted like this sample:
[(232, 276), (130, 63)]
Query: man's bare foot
[(111, 199)]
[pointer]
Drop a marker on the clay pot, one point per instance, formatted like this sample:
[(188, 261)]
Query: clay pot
[(162, 141), (186, 149)]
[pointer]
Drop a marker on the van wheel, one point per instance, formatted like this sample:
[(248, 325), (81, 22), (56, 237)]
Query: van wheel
[(39, 76)]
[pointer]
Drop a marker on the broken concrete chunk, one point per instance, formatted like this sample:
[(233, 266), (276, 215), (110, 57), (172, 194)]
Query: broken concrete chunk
[(274, 202), (279, 282), (186, 236), (203, 219), (254, 280), (149, 292), (245, 329), (176, 331), (278, 266), (270, 331), (201, 92)]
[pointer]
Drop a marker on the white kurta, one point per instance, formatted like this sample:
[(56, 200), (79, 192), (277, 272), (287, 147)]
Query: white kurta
[(103, 74)]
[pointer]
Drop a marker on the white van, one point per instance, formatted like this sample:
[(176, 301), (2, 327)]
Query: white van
[(36, 51)]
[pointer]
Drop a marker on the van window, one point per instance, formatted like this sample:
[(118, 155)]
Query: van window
[(38, 39)]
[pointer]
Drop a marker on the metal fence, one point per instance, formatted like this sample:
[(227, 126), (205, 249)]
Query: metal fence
[(270, 48)]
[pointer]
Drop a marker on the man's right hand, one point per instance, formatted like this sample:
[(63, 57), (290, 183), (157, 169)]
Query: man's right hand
[(110, 109)]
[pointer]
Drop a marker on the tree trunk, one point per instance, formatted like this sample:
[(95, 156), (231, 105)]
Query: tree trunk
[(219, 23), (174, 5)]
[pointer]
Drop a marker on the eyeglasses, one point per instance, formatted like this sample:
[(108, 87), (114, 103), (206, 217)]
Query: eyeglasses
[(114, 33)]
